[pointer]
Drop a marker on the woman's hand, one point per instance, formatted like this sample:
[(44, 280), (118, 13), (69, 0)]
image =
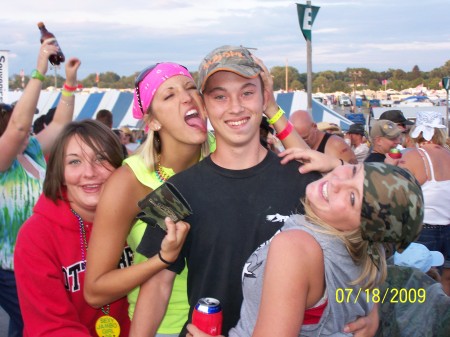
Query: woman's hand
[(46, 50), (196, 332), (72, 66), (174, 239)]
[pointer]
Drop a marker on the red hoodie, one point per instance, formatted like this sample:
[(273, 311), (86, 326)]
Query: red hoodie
[(50, 275)]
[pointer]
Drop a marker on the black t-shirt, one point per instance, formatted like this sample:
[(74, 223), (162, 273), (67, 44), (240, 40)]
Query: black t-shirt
[(375, 157), (234, 211)]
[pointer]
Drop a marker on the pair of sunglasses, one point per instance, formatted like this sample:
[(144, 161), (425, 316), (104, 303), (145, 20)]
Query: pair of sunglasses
[(143, 74)]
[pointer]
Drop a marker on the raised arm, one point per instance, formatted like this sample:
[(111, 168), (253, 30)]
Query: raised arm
[(278, 119), (64, 110), (19, 126)]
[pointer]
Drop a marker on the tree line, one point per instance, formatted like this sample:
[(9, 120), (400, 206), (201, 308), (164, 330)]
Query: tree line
[(324, 81)]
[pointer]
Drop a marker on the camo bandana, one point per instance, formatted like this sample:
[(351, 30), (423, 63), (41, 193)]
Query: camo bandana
[(392, 209)]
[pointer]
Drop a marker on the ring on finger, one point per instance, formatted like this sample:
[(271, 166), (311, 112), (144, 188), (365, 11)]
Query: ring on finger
[(45, 51)]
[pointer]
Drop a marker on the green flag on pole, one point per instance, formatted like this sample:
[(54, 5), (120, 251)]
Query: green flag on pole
[(306, 16)]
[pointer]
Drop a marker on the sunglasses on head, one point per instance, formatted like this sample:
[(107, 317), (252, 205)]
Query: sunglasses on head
[(139, 78)]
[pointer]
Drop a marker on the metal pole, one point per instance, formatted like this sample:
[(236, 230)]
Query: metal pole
[(286, 76), (446, 118), (309, 70), (309, 73)]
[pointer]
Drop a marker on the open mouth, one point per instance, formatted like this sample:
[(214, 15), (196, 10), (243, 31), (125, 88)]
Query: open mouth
[(193, 119)]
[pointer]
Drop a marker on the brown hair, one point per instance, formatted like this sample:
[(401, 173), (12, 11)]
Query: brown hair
[(5, 114), (106, 117), (96, 135)]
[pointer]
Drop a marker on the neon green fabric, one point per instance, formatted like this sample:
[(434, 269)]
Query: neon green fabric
[(178, 308)]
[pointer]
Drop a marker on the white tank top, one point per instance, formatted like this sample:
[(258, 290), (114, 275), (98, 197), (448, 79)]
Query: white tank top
[(436, 196)]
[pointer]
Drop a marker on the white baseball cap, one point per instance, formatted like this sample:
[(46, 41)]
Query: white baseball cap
[(418, 256)]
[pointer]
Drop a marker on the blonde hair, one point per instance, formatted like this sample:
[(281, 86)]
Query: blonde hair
[(371, 275), (439, 136), (150, 150)]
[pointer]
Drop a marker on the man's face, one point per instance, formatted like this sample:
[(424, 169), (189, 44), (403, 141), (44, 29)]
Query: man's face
[(385, 144), (234, 105)]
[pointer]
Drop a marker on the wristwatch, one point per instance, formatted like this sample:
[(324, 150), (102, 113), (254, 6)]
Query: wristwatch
[(37, 75)]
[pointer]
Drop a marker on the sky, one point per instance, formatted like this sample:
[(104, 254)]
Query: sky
[(126, 36)]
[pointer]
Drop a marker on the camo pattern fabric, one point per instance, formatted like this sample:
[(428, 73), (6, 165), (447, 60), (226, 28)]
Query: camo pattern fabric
[(415, 305), (392, 209), (165, 201)]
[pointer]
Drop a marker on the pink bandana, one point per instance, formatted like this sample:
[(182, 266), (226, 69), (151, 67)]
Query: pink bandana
[(151, 83)]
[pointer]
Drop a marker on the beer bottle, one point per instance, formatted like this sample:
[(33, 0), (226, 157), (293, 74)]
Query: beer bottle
[(57, 58)]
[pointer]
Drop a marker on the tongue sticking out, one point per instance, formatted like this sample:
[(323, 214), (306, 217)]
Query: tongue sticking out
[(196, 122)]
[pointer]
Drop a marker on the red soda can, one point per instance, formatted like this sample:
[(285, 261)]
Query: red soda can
[(207, 316)]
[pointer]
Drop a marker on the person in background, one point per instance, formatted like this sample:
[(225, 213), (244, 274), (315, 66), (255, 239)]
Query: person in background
[(127, 138), (420, 257), (321, 141), (355, 135), (240, 195), (384, 136), (328, 127), (22, 169), (106, 117), (429, 162), (291, 283), (43, 121), (402, 123)]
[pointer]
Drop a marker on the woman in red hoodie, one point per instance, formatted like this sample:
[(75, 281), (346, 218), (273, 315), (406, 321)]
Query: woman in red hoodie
[(50, 254)]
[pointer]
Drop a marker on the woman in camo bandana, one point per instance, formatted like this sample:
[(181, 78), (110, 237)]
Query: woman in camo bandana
[(322, 269)]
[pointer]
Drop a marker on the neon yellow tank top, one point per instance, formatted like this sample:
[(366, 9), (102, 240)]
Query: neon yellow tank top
[(178, 307)]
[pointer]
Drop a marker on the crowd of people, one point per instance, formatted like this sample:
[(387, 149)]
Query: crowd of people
[(284, 212)]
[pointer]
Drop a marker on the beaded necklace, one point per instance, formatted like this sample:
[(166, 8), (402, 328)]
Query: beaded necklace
[(161, 174), (106, 322), (84, 248)]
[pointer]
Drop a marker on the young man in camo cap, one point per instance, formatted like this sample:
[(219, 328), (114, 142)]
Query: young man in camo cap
[(240, 194)]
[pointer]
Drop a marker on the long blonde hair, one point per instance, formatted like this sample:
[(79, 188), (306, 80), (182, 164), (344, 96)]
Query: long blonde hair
[(371, 276)]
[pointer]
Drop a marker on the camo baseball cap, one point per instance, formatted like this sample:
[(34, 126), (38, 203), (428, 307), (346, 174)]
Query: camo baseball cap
[(385, 128), (392, 209), (235, 59)]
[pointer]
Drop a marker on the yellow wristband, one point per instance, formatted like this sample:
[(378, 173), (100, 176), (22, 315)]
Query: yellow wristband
[(277, 116), (66, 93)]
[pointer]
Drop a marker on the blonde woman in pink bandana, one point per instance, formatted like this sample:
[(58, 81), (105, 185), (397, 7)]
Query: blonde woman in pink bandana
[(166, 98)]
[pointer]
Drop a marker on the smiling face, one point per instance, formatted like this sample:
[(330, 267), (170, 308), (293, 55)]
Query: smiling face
[(235, 105), (85, 173), (337, 197), (178, 111)]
